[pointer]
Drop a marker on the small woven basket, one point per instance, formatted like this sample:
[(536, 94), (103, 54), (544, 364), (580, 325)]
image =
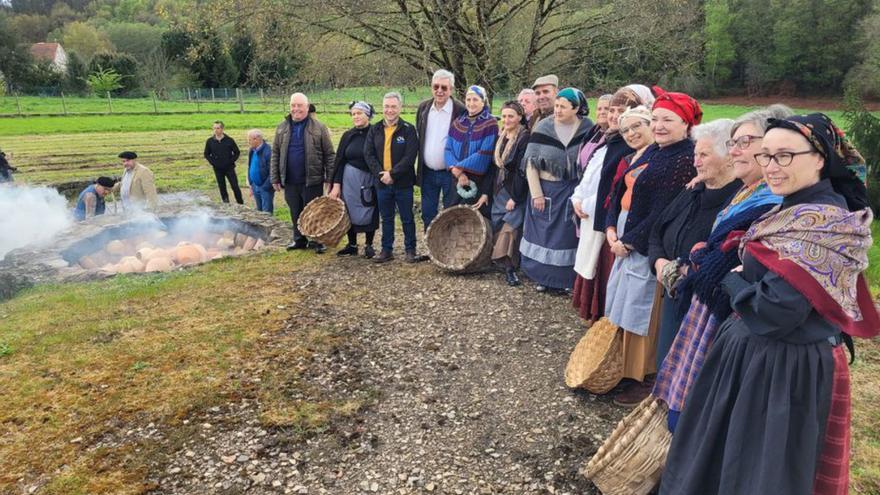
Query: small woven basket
[(459, 240), (325, 220), (596, 363), (632, 459)]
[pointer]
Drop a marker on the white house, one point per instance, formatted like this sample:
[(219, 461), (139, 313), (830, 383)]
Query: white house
[(51, 52)]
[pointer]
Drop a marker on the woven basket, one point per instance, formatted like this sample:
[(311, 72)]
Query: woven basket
[(459, 240), (596, 363), (631, 460), (325, 220)]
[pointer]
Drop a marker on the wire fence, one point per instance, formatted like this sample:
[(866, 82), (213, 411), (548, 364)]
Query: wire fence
[(54, 102)]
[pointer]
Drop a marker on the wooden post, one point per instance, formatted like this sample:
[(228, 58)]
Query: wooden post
[(155, 107), (262, 100), (198, 102), (225, 93), (109, 102), (18, 103), (240, 100), (188, 96), (212, 95), (63, 103)]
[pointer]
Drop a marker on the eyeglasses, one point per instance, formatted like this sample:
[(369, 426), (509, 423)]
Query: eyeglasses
[(742, 142), (783, 158), (633, 128), (440, 87)]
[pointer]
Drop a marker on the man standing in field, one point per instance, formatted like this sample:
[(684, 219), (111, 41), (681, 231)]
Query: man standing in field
[(137, 187), (302, 162), (545, 88), (222, 152)]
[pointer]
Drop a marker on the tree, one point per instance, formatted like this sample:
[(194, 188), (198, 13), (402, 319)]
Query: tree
[(136, 39), (720, 50), (242, 53), (30, 28), (77, 73), (15, 60), (125, 66), (104, 81), (84, 40)]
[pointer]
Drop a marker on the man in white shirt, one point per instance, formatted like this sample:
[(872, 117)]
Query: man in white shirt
[(433, 119)]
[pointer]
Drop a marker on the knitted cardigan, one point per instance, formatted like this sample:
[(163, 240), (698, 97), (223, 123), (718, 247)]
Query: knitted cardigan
[(546, 152), (616, 150), (669, 169), (471, 143)]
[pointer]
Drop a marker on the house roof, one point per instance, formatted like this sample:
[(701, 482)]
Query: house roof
[(44, 51)]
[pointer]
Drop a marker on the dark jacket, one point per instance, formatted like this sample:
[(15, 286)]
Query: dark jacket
[(515, 182), (669, 169), (223, 153), (687, 221), (404, 150), (265, 164), (458, 109), (615, 151), (353, 138), (320, 156)]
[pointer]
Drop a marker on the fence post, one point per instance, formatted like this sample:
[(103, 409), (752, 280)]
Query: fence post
[(109, 102), (63, 103), (188, 96), (212, 95), (18, 103), (155, 107), (199, 102), (240, 100), (262, 100), (225, 93)]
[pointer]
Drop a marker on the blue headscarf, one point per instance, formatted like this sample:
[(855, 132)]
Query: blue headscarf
[(577, 99)]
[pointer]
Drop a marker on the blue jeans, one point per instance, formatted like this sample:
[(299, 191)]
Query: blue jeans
[(433, 183), (402, 199), (265, 199)]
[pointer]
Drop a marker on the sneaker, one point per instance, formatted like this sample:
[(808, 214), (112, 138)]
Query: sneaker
[(635, 393), (300, 244), (421, 257), (512, 279), (349, 250), (384, 257), (411, 257), (541, 288), (369, 252)]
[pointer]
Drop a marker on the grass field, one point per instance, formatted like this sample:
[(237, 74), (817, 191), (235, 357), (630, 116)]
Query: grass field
[(78, 360)]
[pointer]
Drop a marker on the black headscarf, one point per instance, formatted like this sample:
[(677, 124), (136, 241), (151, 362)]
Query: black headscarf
[(844, 165)]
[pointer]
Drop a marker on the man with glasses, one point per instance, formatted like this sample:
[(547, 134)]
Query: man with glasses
[(434, 117)]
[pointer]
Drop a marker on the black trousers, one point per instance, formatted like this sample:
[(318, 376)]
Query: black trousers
[(222, 174), (297, 197)]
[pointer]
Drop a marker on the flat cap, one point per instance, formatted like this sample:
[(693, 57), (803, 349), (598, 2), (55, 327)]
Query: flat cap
[(128, 155), (545, 80)]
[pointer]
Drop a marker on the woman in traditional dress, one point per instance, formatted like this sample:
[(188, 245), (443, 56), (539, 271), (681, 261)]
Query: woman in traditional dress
[(354, 182), (549, 243), (590, 201), (647, 185), (469, 152), (687, 221), (770, 411), (511, 189), (710, 262)]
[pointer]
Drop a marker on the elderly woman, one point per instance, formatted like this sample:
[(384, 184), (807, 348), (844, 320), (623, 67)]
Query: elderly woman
[(710, 262), (355, 183), (549, 243), (511, 189), (469, 151), (655, 179), (687, 221), (594, 259), (769, 413)]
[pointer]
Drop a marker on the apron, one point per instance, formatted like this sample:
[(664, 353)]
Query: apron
[(359, 195)]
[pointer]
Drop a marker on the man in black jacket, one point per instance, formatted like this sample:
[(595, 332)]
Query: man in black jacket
[(390, 150), (222, 152)]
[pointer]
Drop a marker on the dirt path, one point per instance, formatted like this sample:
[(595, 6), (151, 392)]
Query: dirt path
[(461, 381)]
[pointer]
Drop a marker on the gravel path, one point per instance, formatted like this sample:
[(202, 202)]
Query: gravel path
[(461, 377)]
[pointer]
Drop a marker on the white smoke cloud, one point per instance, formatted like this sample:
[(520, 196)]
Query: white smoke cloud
[(31, 216)]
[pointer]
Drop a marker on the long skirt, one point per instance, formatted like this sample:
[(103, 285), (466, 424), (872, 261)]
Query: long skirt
[(760, 419), (359, 195), (549, 244), (588, 296)]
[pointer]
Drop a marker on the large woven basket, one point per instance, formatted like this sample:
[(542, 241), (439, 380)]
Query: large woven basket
[(596, 363), (325, 220), (459, 240), (632, 459)]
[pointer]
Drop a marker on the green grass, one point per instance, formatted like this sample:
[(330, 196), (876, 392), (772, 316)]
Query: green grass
[(873, 272)]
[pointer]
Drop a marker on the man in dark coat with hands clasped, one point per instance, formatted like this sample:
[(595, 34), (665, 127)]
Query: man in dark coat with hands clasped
[(222, 152)]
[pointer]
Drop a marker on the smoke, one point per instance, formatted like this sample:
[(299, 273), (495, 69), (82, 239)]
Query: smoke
[(31, 216)]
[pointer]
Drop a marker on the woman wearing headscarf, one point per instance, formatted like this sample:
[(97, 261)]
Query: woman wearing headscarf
[(549, 244), (653, 180), (710, 261), (354, 182), (470, 149), (511, 190), (687, 221), (770, 411), (594, 258)]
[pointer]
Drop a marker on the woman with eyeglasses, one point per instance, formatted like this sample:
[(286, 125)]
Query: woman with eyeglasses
[(594, 259), (687, 221), (770, 411), (647, 186), (709, 262)]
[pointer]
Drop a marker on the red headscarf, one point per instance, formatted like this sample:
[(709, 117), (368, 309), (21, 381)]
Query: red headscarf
[(681, 104)]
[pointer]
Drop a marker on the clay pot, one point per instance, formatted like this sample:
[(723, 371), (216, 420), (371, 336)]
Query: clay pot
[(88, 263), (202, 252), (214, 253), (187, 255), (260, 244), (225, 243), (129, 264), (159, 265), (249, 243), (115, 247), (145, 253), (240, 240)]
